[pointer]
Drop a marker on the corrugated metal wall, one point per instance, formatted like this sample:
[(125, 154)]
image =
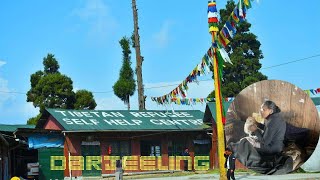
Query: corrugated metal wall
[(45, 173)]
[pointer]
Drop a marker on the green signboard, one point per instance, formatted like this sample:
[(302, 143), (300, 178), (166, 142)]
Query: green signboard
[(88, 120)]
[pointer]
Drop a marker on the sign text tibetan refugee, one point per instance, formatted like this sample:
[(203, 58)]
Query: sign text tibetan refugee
[(118, 119)]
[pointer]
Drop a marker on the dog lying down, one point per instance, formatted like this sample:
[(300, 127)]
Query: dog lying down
[(251, 138)]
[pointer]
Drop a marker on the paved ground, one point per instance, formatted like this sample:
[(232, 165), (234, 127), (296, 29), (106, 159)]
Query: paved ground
[(243, 176)]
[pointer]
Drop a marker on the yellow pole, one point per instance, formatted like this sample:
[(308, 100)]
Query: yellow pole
[(221, 144), (217, 88), (213, 29)]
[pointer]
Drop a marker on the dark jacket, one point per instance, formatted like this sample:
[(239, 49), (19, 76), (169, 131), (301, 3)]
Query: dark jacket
[(232, 161), (184, 153), (272, 137)]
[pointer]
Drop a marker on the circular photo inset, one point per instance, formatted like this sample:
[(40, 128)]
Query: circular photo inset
[(272, 127)]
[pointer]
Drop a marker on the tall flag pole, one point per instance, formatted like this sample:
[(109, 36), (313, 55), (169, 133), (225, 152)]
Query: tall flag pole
[(213, 29)]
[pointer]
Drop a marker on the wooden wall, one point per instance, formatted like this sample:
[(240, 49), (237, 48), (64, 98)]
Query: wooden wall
[(296, 106)]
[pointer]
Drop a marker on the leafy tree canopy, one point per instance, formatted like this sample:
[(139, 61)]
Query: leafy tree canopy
[(50, 64), (84, 100), (51, 89), (126, 85), (244, 52)]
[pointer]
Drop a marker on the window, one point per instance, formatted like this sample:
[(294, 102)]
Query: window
[(175, 148), (202, 147), (120, 148), (150, 148)]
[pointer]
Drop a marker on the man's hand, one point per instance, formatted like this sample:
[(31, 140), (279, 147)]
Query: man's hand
[(231, 170)]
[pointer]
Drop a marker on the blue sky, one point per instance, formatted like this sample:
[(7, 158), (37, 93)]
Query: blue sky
[(84, 37)]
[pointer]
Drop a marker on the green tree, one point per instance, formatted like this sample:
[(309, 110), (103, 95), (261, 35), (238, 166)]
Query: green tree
[(244, 52), (84, 100), (34, 120), (51, 89), (125, 86), (50, 64)]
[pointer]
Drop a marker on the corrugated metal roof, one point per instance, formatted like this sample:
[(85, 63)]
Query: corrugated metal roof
[(211, 109), (316, 100), (134, 120), (14, 127)]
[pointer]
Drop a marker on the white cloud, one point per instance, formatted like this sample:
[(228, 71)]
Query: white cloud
[(96, 14), (2, 63), (161, 38), (17, 111), (29, 111), (92, 9)]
